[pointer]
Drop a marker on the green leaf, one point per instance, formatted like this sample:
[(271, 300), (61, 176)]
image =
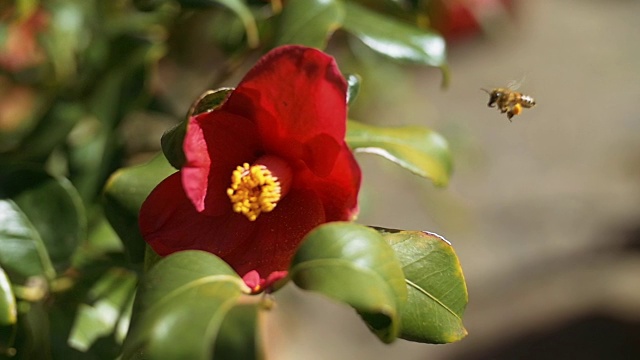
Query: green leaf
[(173, 138), (351, 263), (239, 8), (353, 82), (417, 149), (309, 22), (124, 194), (239, 334), (435, 283), (181, 304), (23, 252), (94, 145), (109, 298), (43, 221), (394, 39), (51, 205), (50, 131), (8, 313)]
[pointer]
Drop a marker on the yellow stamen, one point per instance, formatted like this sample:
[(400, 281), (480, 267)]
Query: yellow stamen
[(253, 190)]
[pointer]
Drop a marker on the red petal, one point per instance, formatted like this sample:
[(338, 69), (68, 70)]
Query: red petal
[(215, 144), (339, 190), (170, 223), (252, 280), (278, 234), (297, 97)]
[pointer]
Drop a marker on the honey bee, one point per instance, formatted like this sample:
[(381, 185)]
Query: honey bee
[(509, 101)]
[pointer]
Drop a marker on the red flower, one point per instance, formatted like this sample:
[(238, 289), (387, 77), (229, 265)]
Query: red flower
[(263, 169)]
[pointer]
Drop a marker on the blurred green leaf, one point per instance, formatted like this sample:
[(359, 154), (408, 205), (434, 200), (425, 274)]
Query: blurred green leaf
[(42, 220), (435, 283), (51, 205), (109, 298), (181, 304), (124, 194), (309, 22), (94, 145), (148, 5), (8, 314), (173, 138), (23, 252), (66, 36), (50, 131), (397, 40), (239, 334), (351, 263), (417, 149), (353, 82), (101, 240), (240, 8), (34, 332)]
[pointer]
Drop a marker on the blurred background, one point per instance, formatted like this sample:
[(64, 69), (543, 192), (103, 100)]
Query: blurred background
[(543, 212)]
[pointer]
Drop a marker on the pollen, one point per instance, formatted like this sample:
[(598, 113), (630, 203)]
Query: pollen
[(517, 109), (254, 190)]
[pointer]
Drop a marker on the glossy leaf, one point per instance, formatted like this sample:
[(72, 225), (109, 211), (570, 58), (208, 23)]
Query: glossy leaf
[(51, 205), (8, 313), (417, 149), (239, 336), (109, 298), (241, 10), (124, 194), (353, 82), (181, 304), (435, 283), (173, 139), (351, 263), (309, 22), (42, 219), (392, 38), (23, 252)]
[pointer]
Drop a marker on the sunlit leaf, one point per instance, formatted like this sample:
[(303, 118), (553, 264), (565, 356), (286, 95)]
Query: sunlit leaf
[(124, 194), (309, 22), (397, 40), (415, 148), (435, 283), (353, 81), (181, 304), (351, 263), (8, 313)]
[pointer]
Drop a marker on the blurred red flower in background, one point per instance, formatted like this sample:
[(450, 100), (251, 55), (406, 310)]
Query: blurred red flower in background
[(262, 170), (20, 49)]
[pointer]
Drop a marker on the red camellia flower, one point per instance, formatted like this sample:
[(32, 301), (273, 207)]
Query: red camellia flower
[(261, 170)]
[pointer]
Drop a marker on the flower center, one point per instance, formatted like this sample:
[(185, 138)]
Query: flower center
[(256, 188)]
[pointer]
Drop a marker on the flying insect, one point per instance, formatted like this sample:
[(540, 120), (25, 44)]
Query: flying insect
[(509, 101)]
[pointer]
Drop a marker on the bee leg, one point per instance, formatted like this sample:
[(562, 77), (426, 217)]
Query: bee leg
[(510, 115)]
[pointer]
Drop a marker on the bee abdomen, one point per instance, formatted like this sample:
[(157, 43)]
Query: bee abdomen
[(527, 101)]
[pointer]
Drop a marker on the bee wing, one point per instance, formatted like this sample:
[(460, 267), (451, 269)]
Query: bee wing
[(515, 84)]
